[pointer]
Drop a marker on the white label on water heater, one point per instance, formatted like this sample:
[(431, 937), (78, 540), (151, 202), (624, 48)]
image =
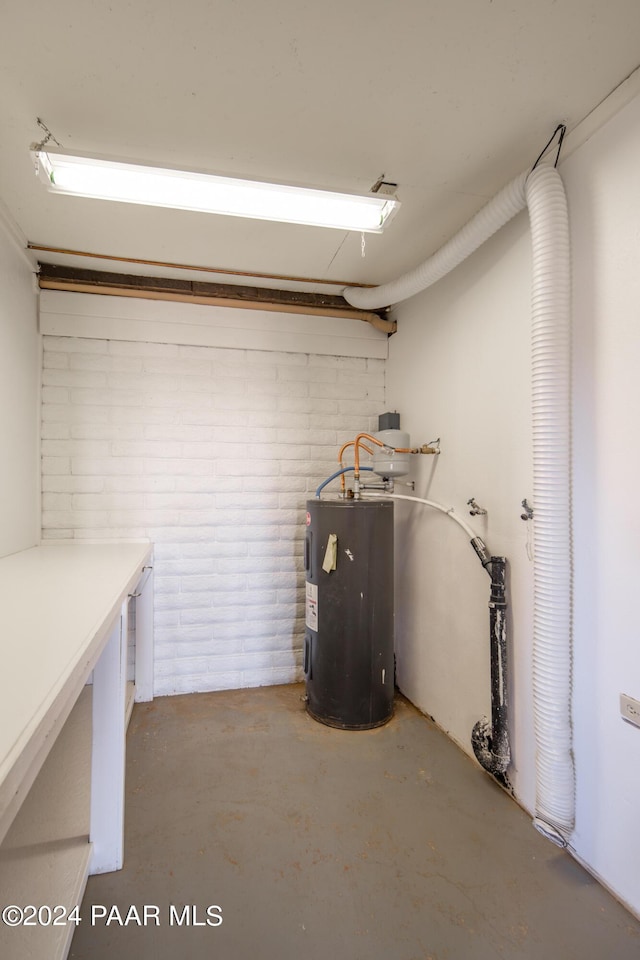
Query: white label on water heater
[(311, 607)]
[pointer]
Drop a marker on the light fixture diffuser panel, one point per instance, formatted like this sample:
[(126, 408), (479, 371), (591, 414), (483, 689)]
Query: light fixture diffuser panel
[(68, 173)]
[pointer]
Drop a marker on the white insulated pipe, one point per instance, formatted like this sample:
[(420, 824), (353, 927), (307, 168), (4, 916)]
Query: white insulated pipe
[(450, 512), (542, 192)]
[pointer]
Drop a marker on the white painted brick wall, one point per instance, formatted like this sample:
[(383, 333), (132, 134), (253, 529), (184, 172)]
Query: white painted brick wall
[(211, 453)]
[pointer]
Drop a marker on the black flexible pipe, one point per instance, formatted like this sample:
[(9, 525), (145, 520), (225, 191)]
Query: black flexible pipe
[(490, 742)]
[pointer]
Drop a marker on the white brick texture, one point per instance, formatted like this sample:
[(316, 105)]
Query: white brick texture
[(211, 454)]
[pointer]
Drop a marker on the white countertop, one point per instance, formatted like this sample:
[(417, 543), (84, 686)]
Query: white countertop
[(57, 603)]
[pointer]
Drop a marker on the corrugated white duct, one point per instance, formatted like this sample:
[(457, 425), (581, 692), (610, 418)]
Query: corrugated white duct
[(543, 192), (504, 206), (551, 408)]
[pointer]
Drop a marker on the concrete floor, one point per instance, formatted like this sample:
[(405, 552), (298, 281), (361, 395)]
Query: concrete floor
[(330, 845)]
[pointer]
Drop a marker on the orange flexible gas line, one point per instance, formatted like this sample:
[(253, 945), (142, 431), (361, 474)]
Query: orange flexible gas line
[(349, 443), (356, 451)]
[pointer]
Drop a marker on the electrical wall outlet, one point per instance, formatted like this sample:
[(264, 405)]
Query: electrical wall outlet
[(630, 709)]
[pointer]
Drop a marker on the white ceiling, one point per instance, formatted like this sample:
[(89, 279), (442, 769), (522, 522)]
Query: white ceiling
[(448, 98)]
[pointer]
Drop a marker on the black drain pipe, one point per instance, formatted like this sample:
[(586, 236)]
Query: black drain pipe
[(490, 742)]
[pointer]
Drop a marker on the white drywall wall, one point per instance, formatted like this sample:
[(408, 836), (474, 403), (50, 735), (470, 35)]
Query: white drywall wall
[(19, 400), (604, 201), (459, 369)]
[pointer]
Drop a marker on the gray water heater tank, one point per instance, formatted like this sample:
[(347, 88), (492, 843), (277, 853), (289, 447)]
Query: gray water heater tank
[(348, 643)]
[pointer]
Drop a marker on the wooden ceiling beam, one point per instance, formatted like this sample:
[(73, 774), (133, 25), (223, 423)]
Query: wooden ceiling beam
[(250, 275), (75, 279)]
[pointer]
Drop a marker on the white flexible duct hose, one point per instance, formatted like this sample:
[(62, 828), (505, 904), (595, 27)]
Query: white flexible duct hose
[(543, 192), (551, 406), (504, 206)]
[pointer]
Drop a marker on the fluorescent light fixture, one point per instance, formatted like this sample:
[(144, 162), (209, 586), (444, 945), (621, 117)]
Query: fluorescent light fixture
[(65, 172)]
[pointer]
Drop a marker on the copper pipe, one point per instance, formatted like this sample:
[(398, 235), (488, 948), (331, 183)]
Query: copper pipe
[(349, 443), (356, 451)]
